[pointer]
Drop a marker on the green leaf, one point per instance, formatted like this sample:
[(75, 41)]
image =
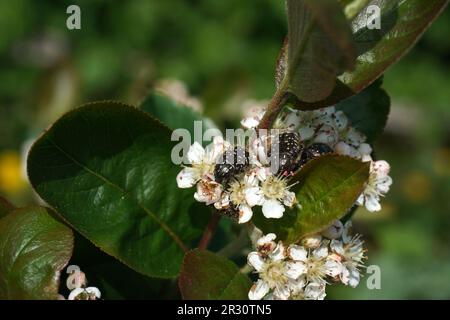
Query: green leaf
[(115, 280), (320, 47), (403, 22), (368, 111), (106, 168), (34, 247), (327, 188), (173, 114), (207, 276), (5, 207)]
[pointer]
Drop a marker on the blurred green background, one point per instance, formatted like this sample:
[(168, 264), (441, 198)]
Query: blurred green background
[(224, 52)]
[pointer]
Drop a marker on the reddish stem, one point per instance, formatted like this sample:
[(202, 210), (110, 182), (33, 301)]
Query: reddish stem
[(209, 231), (273, 109)]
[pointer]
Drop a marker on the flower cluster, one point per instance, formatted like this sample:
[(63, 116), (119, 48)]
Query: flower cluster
[(302, 271), (235, 188), (332, 127), (76, 282), (250, 179)]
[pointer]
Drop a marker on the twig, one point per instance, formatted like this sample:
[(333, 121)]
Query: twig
[(236, 245), (209, 231), (273, 109)]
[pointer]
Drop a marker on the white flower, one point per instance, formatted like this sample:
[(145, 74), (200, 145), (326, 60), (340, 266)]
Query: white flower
[(363, 152), (310, 121), (327, 135), (253, 114), (377, 186), (245, 194), (322, 125), (258, 150), (312, 242), (202, 163), (347, 232), (350, 255), (274, 195), (340, 120), (315, 291), (266, 243), (89, 293), (76, 279), (208, 191), (292, 120), (353, 137), (274, 273), (316, 265)]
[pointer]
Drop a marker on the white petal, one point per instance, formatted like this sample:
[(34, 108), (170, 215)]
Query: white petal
[(355, 138), (382, 167), (253, 196), (295, 269), (76, 280), (341, 120), (262, 173), (343, 149), (321, 252), (256, 261), (337, 246), (326, 135), (353, 279), (333, 268), (312, 242), (268, 238), (94, 291), (272, 209), (281, 292), (187, 178), (250, 180), (315, 291), (306, 133), (278, 253), (208, 192), (345, 275), (372, 203), (250, 122), (196, 153), (289, 199), (350, 276), (298, 253), (384, 184), (366, 158), (292, 121), (327, 111), (258, 290), (245, 213), (365, 149), (74, 293), (215, 149), (224, 202), (296, 286), (260, 150), (347, 233)]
